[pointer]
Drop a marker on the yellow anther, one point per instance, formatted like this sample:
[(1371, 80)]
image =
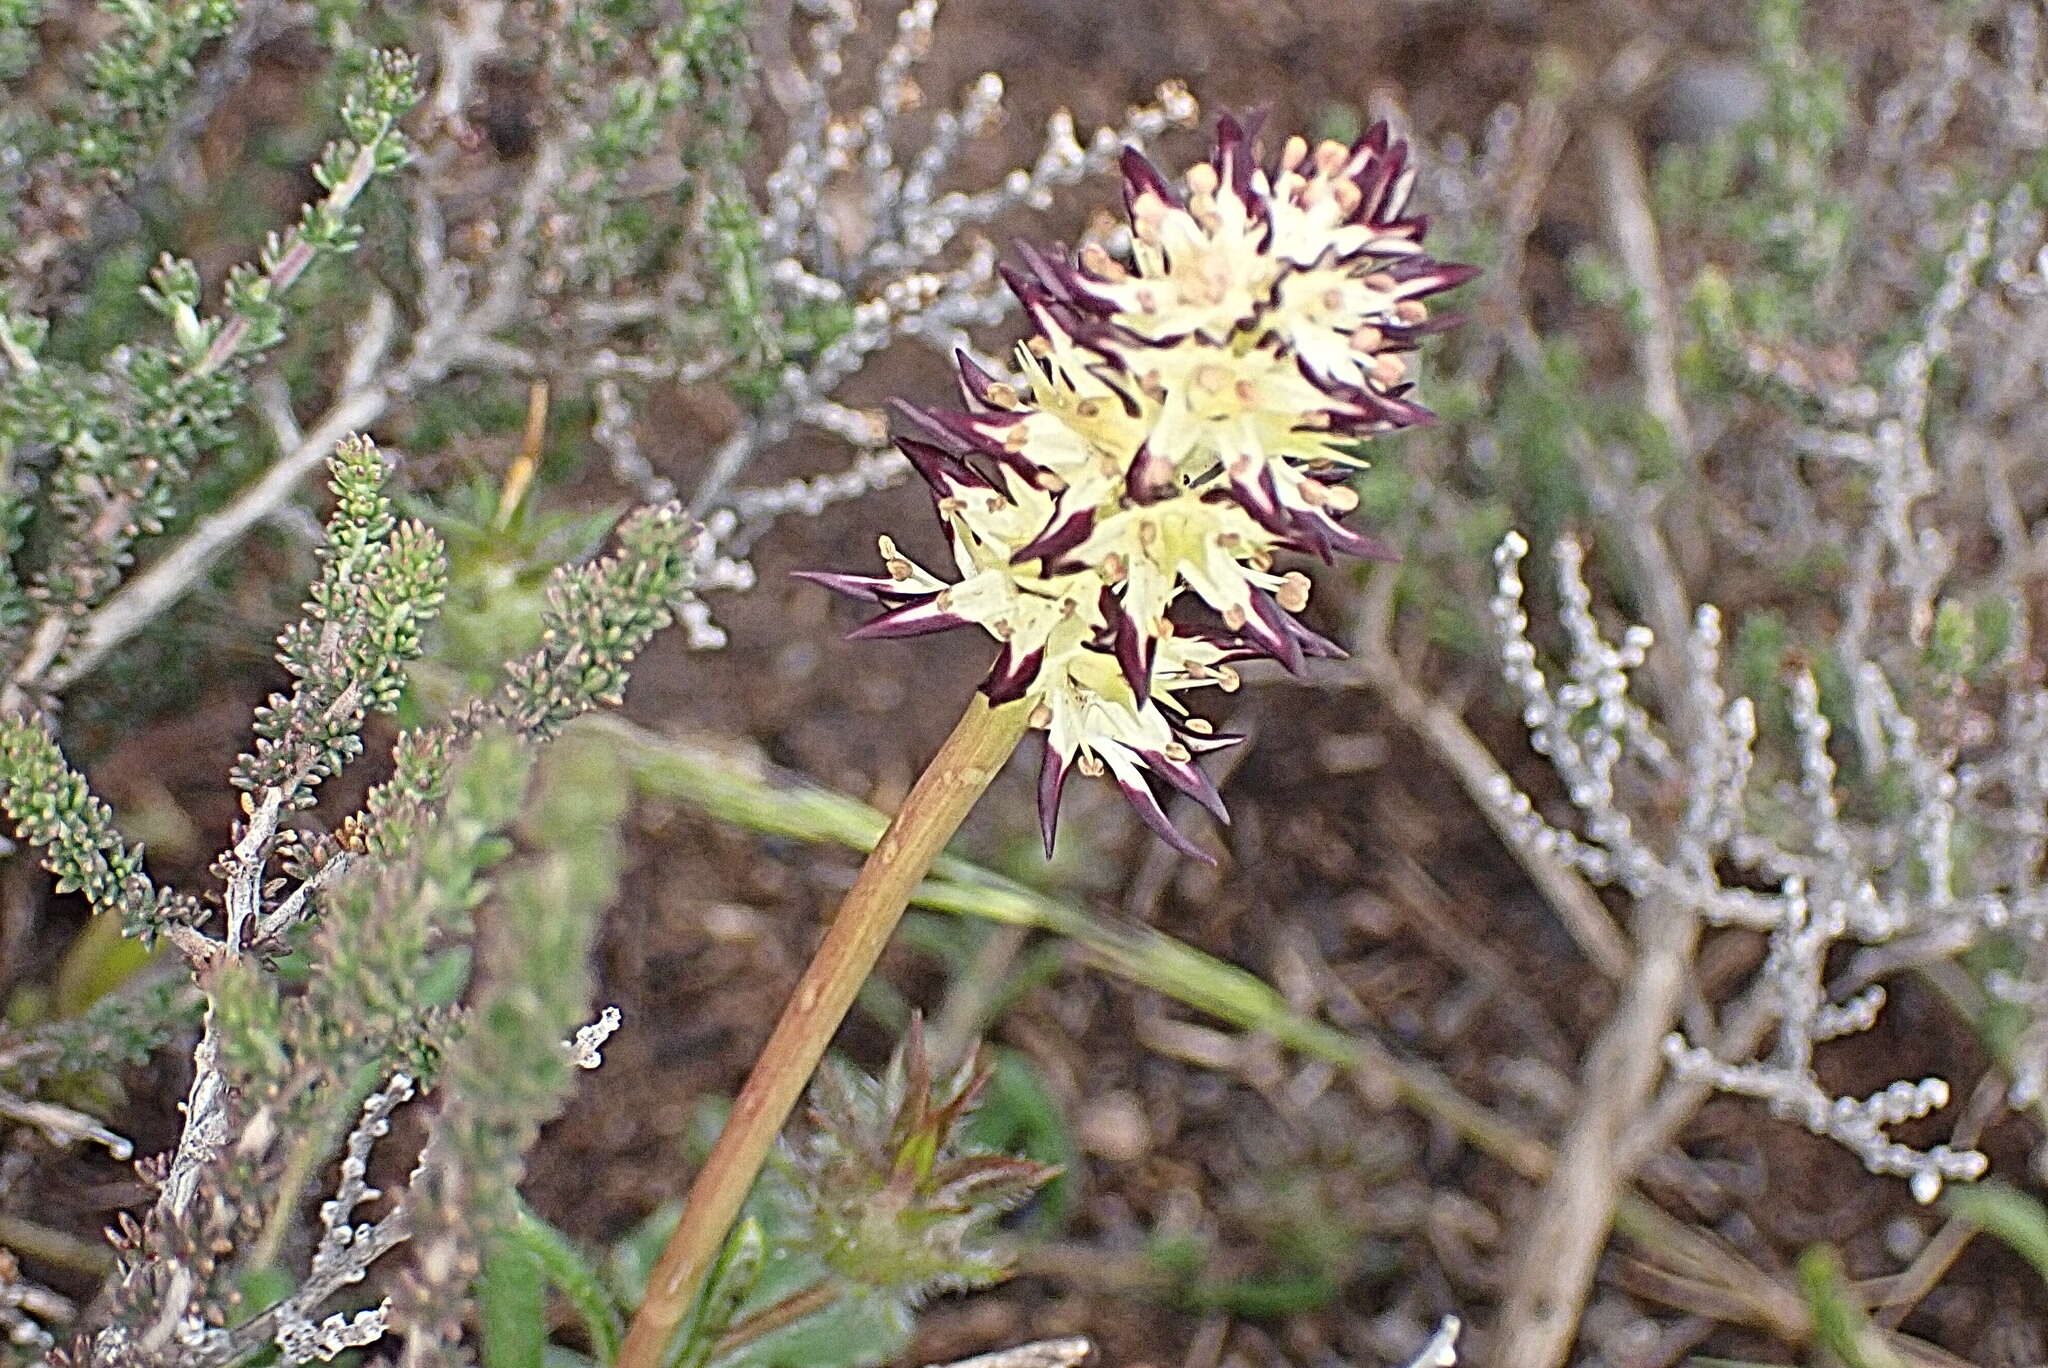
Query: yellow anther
[(1100, 263)]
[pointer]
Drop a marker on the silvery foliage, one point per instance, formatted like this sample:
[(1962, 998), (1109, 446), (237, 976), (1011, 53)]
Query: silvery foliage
[(1878, 805), (859, 215)]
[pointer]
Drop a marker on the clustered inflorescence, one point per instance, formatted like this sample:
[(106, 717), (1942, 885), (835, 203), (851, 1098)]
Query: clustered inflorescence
[(1177, 422)]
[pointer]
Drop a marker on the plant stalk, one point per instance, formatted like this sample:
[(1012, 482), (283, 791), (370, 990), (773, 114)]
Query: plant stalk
[(940, 800)]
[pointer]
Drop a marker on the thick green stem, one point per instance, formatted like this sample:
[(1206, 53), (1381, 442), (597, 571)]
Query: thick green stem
[(949, 787)]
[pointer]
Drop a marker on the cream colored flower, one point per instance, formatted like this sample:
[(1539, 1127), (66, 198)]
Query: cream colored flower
[(1176, 424)]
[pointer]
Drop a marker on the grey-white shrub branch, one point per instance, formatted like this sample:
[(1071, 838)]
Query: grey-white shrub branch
[(860, 233), (1856, 772), (1768, 849)]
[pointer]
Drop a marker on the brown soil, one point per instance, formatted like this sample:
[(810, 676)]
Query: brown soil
[(1357, 877)]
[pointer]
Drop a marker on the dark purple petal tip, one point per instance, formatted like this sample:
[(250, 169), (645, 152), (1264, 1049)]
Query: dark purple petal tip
[(1150, 477), (1142, 799), (1140, 175), (1132, 650), (1062, 533), (1188, 777), (976, 384), (871, 588), (912, 619), (1011, 676), (1052, 782)]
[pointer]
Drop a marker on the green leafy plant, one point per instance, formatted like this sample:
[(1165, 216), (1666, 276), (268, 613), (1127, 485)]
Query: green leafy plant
[(386, 909), (433, 942)]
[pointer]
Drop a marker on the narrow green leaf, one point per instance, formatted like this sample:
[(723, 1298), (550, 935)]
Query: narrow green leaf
[(732, 1281), (512, 1305), (576, 1278), (1839, 1320)]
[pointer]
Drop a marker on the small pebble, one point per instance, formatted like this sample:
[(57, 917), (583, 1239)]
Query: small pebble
[(1115, 1127), (1903, 1239)]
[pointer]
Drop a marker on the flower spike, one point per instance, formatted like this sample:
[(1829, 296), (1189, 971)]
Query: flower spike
[(1180, 418)]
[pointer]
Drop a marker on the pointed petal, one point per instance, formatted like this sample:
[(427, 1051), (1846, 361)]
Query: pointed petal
[(975, 383), (1353, 542), (1435, 323), (1052, 782), (1316, 644), (872, 588), (1233, 157), (1232, 646), (1300, 639), (944, 471), (1254, 490), (1204, 745), (1133, 652), (912, 619), (1421, 276), (1370, 408), (950, 430), (1270, 636), (976, 432), (1048, 313), (1141, 175), (1021, 285), (1063, 532), (1152, 815), (1010, 678), (1056, 276), (1310, 533), (1254, 124), (1187, 776), (1376, 177)]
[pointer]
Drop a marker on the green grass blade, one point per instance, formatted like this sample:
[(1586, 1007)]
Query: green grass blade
[(1840, 1323), (573, 1275), (735, 785), (2008, 1214)]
